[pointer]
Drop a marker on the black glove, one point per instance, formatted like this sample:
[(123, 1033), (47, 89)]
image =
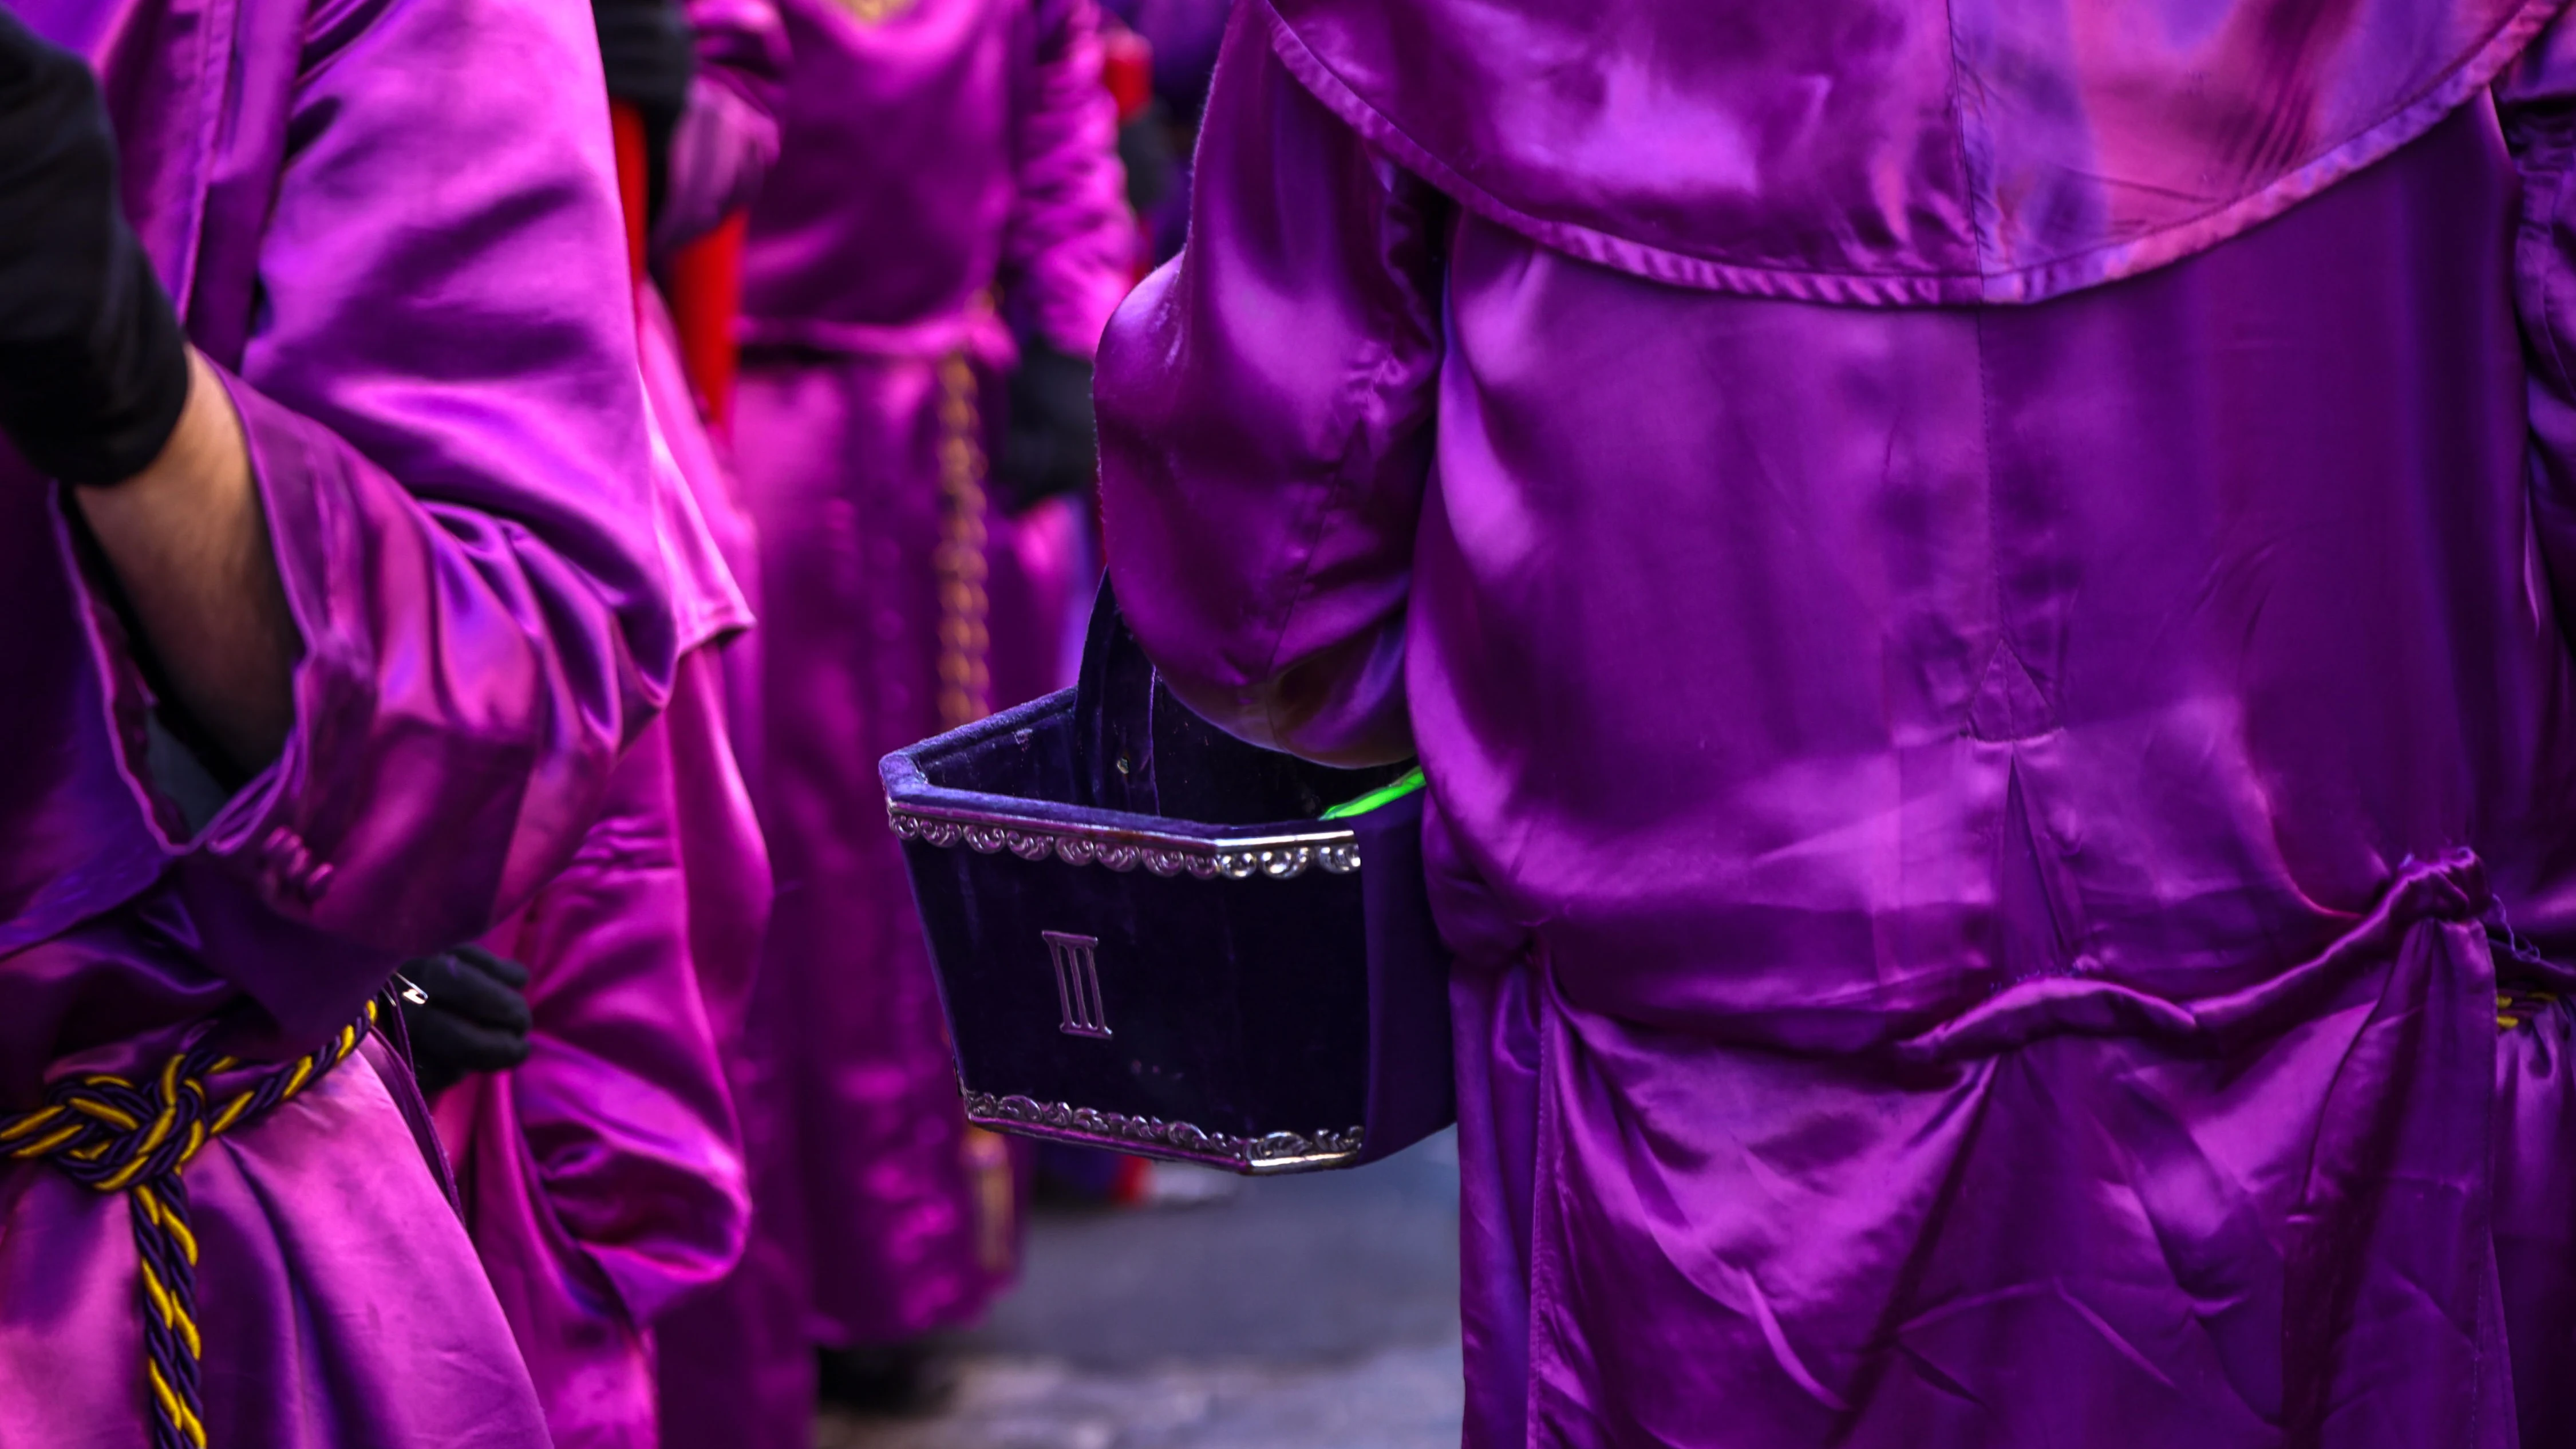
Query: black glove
[(475, 1020), (1049, 446), (93, 367), (650, 55)]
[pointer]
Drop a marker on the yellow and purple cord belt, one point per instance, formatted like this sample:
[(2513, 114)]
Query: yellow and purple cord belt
[(118, 1135)]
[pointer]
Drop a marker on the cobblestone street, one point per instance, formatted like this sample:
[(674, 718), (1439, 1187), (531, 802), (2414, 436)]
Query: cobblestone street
[(1302, 1313)]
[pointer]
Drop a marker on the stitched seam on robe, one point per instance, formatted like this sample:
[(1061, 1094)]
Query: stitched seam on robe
[(2406, 120), (1345, 483)]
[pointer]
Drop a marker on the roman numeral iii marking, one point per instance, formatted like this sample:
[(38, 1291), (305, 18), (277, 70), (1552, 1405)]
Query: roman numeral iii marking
[(1077, 983)]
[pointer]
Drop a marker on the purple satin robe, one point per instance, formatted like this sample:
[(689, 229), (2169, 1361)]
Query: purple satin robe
[(722, 147), (437, 387), (727, 137), (929, 152), (724, 861), (603, 1180), (733, 1367), (1982, 840)]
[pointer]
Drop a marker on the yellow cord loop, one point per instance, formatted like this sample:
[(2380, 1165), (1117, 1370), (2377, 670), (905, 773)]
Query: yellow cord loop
[(116, 1135)]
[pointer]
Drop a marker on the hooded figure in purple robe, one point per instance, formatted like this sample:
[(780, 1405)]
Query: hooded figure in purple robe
[(1983, 590), (383, 225), (931, 154)]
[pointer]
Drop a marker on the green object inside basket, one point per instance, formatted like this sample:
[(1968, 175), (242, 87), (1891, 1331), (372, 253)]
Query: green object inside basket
[(1386, 794)]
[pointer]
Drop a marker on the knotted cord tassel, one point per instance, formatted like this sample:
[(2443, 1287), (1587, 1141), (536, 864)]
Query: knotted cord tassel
[(2514, 1005), (113, 1135)]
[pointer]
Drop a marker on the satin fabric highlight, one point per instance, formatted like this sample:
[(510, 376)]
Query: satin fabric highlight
[(603, 1178), (453, 476), (932, 151), (1888, 151), (1981, 840)]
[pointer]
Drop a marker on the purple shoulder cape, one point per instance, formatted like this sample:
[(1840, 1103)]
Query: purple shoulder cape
[(1893, 152)]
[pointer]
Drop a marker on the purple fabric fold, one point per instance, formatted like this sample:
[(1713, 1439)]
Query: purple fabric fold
[(953, 145), (393, 224), (1892, 151), (932, 155), (315, 1336), (727, 138), (696, 519), (1980, 840), (603, 1178)]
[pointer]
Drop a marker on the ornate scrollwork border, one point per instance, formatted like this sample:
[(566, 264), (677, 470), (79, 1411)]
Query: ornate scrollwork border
[(1275, 1152), (1277, 858)]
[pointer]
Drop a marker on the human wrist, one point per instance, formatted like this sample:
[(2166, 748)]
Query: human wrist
[(202, 451)]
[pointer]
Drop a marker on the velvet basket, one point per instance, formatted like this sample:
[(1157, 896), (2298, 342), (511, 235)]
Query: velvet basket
[(1149, 937)]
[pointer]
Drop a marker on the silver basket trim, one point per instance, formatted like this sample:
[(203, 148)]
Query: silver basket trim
[(1275, 1152), (1268, 857)]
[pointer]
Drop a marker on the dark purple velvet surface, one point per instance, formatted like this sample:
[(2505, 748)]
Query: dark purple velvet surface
[(1244, 1007)]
